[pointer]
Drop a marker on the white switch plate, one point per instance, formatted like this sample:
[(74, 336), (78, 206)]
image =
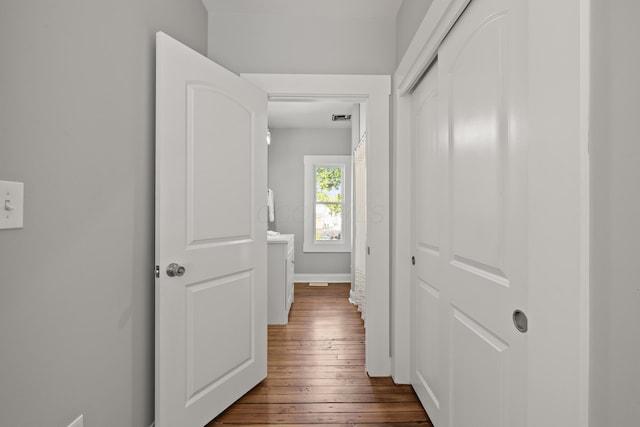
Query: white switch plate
[(78, 422), (11, 204)]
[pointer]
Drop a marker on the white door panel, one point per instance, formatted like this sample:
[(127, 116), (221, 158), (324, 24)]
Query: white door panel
[(486, 269), (428, 310), (473, 272), (210, 196)]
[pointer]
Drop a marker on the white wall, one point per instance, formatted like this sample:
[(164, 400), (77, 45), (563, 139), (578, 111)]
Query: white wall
[(76, 284), (268, 43), (615, 210), (286, 178)]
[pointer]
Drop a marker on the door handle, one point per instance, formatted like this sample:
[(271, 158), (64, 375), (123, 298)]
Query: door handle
[(520, 321), (174, 270)]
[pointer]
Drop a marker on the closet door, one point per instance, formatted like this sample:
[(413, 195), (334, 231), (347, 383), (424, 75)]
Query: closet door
[(483, 86), (470, 222), (429, 301)]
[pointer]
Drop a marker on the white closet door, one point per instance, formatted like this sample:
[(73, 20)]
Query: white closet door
[(470, 222), (428, 361)]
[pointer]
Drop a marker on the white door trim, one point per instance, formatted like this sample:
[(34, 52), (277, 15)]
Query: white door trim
[(559, 101), (375, 91)]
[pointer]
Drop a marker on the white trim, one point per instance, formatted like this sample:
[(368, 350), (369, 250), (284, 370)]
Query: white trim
[(585, 209), (375, 91), (355, 139), (309, 243), (558, 178), (401, 243), (422, 50), (322, 277)]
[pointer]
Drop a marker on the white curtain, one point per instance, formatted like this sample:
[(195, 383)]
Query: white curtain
[(360, 186)]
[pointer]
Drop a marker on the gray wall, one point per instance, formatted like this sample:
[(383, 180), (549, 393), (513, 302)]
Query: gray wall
[(264, 43), (76, 284), (615, 244), (408, 20), (286, 179)]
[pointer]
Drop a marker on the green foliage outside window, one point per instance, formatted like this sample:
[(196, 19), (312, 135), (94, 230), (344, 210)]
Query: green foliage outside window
[(328, 188)]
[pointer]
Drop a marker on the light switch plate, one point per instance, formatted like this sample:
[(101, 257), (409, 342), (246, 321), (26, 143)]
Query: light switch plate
[(11, 204)]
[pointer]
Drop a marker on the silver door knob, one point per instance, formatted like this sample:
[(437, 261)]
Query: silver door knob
[(174, 269)]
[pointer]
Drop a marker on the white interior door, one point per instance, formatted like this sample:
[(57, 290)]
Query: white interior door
[(429, 356), (470, 222), (210, 220)]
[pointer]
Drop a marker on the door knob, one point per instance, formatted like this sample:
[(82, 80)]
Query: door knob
[(174, 269)]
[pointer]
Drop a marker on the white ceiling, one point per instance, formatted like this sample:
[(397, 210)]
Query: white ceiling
[(308, 115), (345, 8)]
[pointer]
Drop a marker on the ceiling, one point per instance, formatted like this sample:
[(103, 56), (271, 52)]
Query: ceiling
[(343, 8), (308, 115)]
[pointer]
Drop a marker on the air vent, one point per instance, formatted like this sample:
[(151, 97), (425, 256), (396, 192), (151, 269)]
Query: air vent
[(340, 117)]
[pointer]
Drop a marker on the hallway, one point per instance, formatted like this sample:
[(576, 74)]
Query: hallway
[(316, 372)]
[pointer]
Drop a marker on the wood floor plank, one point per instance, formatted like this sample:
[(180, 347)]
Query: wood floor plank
[(316, 408), (327, 398), (316, 373), (393, 418), (332, 389)]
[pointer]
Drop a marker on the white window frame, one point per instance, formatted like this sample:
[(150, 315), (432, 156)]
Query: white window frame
[(310, 244)]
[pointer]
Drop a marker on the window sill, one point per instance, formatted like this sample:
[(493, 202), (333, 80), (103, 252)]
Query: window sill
[(326, 247)]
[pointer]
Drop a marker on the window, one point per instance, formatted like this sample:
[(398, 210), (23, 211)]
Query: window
[(327, 195)]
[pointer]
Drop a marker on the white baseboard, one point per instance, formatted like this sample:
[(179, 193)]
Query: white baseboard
[(329, 278)]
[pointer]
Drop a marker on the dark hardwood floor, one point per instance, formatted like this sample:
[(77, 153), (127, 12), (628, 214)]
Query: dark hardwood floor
[(316, 372)]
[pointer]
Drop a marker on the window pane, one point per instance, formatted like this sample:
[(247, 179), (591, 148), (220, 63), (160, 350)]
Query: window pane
[(328, 221), (328, 184)]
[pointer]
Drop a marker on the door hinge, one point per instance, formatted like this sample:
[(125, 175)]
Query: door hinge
[(413, 260), (157, 274), (368, 250)]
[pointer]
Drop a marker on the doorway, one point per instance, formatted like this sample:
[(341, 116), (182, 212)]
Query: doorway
[(375, 91)]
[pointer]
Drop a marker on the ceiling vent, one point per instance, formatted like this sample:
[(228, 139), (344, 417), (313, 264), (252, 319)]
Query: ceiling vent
[(340, 117)]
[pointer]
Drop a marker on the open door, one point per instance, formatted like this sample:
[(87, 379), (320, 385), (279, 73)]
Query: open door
[(211, 302)]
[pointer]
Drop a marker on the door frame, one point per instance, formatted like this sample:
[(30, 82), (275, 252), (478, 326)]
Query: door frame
[(558, 376), (375, 91)]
